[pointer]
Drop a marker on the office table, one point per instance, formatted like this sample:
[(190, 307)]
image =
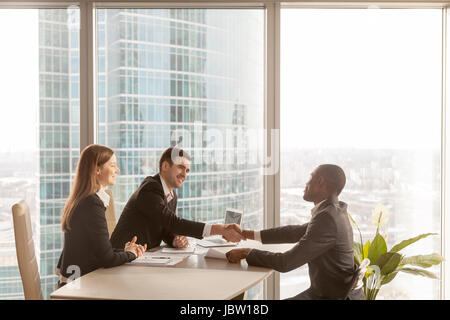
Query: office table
[(195, 278)]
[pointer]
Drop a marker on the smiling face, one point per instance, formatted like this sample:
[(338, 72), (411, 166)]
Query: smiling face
[(106, 174), (175, 174)]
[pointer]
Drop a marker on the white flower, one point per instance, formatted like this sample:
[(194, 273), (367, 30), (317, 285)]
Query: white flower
[(380, 215)]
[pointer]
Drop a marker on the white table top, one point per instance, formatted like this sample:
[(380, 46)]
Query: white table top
[(195, 278)]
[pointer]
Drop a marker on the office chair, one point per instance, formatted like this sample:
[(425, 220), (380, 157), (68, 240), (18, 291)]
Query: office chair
[(356, 282), (26, 257), (110, 214)]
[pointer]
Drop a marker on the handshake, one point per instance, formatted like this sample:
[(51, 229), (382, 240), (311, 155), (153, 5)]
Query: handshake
[(231, 232), (234, 233)]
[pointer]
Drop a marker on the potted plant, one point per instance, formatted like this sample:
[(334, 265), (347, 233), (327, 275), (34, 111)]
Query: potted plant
[(386, 264)]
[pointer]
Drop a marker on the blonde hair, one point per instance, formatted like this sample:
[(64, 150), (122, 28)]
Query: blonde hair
[(85, 183)]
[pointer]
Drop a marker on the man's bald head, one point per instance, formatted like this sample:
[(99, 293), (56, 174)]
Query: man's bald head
[(334, 177)]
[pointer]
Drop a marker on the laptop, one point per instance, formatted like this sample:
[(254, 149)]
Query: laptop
[(231, 216)]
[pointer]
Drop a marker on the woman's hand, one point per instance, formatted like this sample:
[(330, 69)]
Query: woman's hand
[(135, 248)]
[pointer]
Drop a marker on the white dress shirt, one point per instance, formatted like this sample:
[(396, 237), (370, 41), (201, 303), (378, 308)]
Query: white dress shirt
[(169, 196), (103, 196)]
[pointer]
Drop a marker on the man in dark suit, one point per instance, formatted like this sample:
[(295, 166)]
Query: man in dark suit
[(325, 243), (150, 213)]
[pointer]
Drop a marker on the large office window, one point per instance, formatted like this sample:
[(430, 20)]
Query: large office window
[(187, 77), (361, 88), (39, 132)]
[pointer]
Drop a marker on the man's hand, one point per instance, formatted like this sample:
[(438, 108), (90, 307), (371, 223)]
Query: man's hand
[(180, 242), (232, 232), (135, 248), (249, 234), (236, 255)]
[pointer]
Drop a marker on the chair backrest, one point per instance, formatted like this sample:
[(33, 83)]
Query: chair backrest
[(110, 213), (356, 281), (26, 257)]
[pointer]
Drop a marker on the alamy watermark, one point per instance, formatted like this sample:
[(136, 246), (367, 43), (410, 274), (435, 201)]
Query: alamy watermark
[(231, 146), (73, 18)]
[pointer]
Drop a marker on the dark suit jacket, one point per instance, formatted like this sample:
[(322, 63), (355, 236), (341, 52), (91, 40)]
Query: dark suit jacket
[(148, 216), (87, 244), (325, 243)]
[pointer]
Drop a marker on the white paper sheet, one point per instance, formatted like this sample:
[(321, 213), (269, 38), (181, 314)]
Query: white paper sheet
[(178, 250), (216, 254), (155, 259)]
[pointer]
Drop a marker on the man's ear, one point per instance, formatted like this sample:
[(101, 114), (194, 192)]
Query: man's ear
[(320, 181), (165, 165)]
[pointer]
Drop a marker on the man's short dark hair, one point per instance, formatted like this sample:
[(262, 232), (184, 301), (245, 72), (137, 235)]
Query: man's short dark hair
[(334, 177), (171, 153)]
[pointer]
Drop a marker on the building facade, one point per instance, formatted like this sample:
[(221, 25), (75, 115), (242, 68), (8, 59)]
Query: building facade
[(164, 78)]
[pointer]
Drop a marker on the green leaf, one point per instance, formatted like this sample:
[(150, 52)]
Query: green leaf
[(424, 261), (357, 251), (352, 221), (407, 242), (419, 272), (377, 248), (388, 278), (365, 250), (388, 262)]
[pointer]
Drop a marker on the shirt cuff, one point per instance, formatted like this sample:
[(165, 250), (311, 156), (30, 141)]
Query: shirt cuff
[(207, 230), (257, 235)]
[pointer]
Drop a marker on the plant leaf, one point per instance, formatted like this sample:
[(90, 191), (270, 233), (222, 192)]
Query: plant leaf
[(388, 262), (366, 250), (419, 272), (407, 242), (352, 221), (377, 248), (357, 251), (424, 261), (388, 278)]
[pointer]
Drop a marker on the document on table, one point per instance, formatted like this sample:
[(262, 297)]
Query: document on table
[(216, 254), (215, 242), (150, 259), (178, 250)]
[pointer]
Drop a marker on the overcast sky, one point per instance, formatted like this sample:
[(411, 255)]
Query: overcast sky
[(19, 79)]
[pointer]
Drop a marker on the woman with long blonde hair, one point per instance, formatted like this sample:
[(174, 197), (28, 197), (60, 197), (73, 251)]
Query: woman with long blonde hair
[(86, 238)]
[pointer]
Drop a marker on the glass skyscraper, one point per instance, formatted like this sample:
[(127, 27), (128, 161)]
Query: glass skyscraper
[(164, 77), (58, 131), (192, 78)]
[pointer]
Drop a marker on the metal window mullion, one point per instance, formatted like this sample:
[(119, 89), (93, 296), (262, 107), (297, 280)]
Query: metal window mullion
[(272, 122), (87, 118), (445, 188)]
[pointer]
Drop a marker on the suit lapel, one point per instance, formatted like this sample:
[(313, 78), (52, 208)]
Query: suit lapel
[(175, 196), (158, 178)]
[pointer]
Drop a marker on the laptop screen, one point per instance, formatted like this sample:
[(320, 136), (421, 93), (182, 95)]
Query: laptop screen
[(233, 216)]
